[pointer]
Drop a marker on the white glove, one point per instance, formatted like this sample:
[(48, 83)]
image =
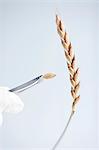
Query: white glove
[(9, 101)]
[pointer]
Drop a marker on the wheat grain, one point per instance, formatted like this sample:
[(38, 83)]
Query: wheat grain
[(49, 75)]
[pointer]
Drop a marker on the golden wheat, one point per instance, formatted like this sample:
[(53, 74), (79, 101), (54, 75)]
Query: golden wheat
[(73, 71), (71, 63)]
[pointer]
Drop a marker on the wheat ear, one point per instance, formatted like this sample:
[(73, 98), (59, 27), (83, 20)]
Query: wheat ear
[(73, 71)]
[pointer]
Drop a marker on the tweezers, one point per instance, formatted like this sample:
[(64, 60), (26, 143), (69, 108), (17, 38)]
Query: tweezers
[(26, 85)]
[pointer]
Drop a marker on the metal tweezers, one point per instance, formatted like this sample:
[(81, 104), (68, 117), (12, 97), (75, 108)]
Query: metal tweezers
[(26, 85)]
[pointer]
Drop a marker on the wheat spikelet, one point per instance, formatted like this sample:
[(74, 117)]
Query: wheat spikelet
[(73, 71), (71, 63)]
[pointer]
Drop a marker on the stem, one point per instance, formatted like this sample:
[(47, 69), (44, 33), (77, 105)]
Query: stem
[(65, 129)]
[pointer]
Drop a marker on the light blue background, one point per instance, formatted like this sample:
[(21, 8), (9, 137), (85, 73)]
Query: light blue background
[(30, 46)]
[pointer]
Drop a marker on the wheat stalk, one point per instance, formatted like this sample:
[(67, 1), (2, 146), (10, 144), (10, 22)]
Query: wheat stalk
[(73, 70)]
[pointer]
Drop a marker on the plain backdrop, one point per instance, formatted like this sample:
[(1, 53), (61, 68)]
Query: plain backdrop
[(30, 46)]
